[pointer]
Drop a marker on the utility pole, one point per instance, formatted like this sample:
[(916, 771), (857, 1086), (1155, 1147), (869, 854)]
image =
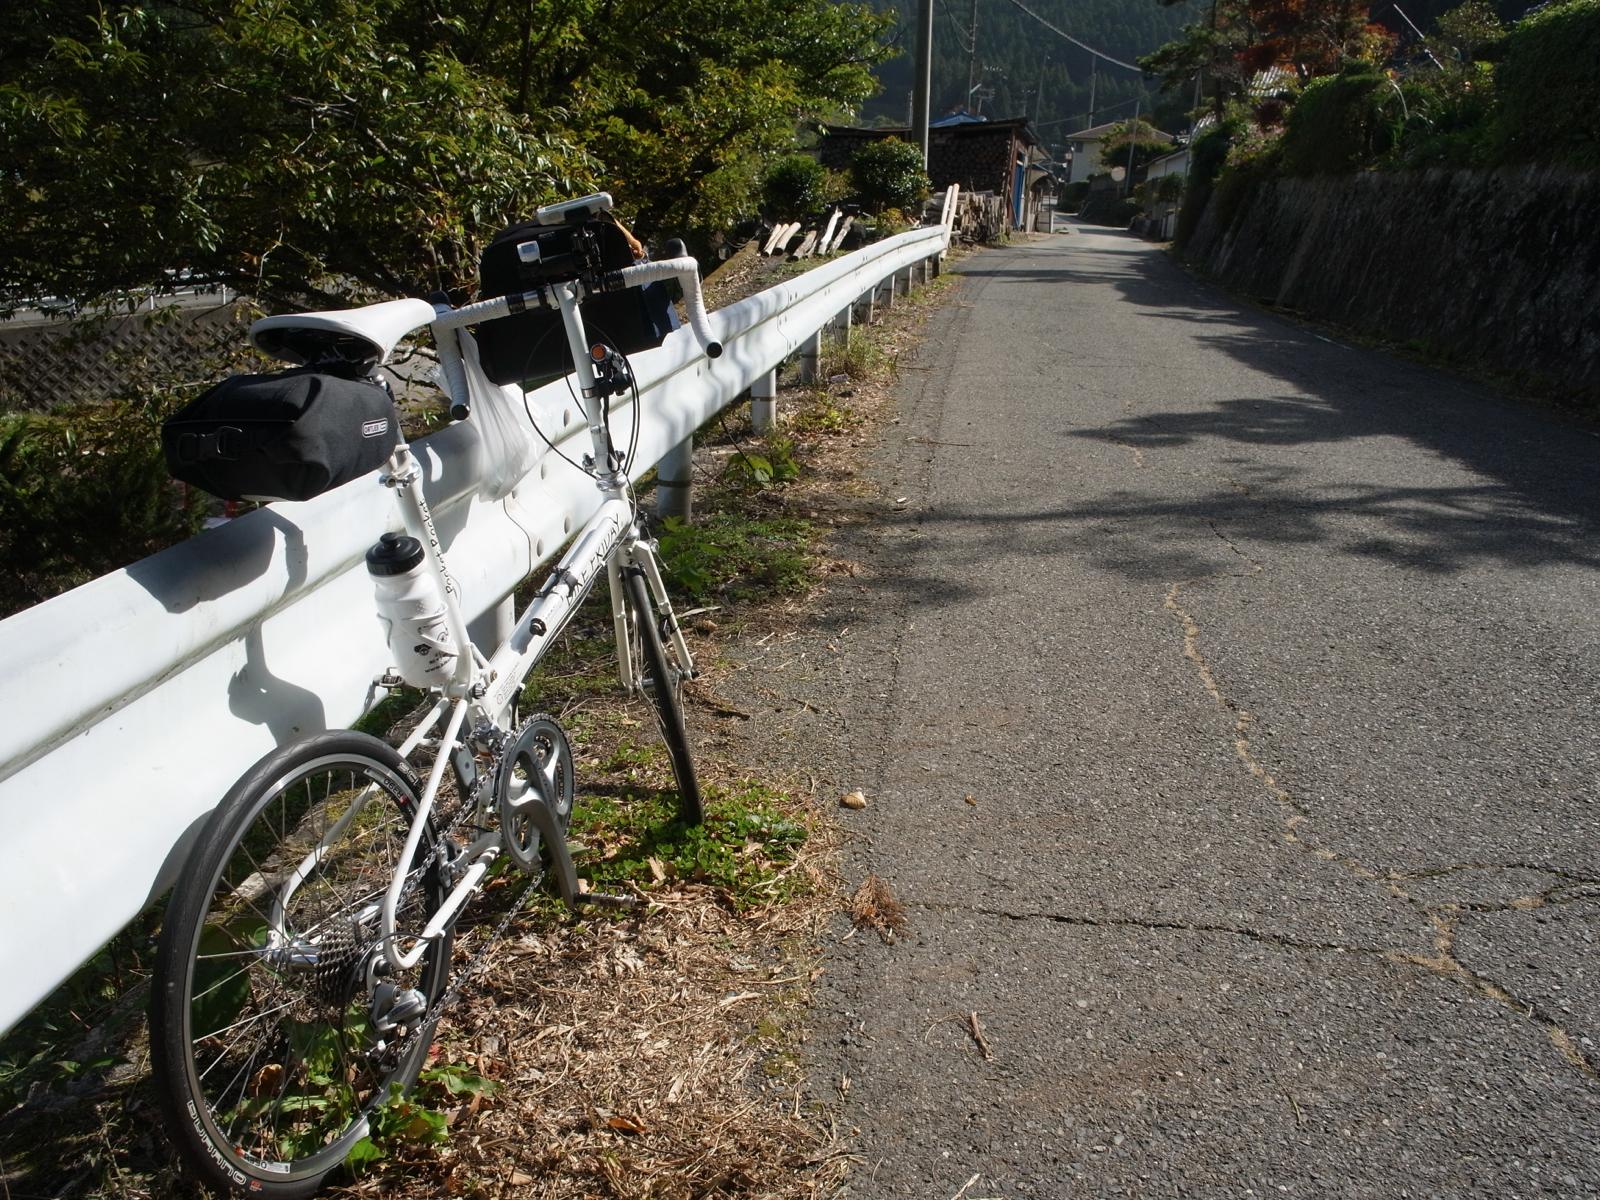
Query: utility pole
[(1039, 91), (972, 53), (922, 83), (1133, 132), (1094, 61)]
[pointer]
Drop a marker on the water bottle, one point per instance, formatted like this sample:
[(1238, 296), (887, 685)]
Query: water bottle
[(412, 610)]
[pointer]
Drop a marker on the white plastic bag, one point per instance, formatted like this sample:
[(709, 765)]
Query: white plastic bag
[(508, 448)]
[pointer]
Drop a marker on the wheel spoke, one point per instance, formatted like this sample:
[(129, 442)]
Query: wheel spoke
[(280, 1063)]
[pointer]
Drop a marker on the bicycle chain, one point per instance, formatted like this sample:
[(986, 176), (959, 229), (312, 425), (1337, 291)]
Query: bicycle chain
[(469, 806)]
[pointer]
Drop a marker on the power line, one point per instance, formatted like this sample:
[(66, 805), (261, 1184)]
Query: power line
[(1081, 45), (1097, 112)]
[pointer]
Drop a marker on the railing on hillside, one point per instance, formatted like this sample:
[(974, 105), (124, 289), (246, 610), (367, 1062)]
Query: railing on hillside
[(135, 701)]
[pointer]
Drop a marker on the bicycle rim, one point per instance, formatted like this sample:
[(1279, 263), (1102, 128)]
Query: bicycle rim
[(272, 1041)]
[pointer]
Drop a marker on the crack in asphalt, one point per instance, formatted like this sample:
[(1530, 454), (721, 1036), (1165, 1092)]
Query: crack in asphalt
[(1255, 935), (1444, 961)]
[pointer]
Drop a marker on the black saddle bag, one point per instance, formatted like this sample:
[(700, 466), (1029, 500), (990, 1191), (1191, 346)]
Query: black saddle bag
[(288, 435), (531, 347)]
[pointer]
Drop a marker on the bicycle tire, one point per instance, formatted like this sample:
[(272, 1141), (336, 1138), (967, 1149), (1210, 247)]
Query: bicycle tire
[(267, 1059), (665, 694)]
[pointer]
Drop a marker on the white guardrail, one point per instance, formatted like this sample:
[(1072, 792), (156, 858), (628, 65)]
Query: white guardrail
[(133, 703)]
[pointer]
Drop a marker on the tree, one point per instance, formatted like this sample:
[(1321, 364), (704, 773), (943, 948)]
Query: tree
[(1239, 40), (1133, 140), (888, 175), (301, 150)]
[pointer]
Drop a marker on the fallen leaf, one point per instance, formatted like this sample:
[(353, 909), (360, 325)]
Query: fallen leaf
[(971, 799), (518, 1179), (658, 869), (624, 1124), (856, 799)]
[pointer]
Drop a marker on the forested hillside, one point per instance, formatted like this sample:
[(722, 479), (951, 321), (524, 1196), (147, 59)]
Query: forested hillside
[(1023, 68), (1031, 70)]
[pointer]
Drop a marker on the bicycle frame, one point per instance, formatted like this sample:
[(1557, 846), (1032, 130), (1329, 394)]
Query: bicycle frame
[(482, 690)]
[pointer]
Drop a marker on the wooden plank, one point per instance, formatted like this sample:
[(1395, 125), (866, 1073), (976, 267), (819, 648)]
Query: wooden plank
[(826, 239), (838, 237), (772, 239), (806, 246)]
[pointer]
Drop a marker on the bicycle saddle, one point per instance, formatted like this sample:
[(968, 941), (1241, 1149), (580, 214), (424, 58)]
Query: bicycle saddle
[(366, 334)]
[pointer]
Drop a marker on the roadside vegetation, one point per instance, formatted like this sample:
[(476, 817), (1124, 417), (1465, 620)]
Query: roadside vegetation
[(1311, 88)]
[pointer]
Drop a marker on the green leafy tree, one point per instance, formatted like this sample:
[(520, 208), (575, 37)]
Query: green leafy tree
[(1135, 141), (794, 187), (888, 175), (1549, 89), (302, 150), (295, 149)]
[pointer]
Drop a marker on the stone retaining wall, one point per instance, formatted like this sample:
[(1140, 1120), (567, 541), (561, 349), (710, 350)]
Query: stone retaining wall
[(1499, 269)]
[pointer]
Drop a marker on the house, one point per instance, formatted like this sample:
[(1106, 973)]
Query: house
[(1002, 157), (1085, 150), (1164, 208)]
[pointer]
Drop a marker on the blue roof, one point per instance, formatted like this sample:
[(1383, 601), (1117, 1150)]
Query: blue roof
[(956, 118)]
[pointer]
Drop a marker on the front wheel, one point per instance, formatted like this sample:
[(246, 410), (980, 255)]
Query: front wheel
[(276, 1025), (664, 686)]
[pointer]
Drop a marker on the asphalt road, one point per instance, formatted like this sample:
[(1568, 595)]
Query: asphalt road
[(1270, 668)]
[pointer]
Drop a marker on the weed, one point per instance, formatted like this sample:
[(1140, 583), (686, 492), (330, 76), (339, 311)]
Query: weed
[(776, 465), (736, 556), (416, 1119), (743, 847), (823, 414), (859, 355)]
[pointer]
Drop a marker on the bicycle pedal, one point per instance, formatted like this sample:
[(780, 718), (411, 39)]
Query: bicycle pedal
[(610, 900)]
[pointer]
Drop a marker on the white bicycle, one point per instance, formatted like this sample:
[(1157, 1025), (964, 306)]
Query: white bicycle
[(307, 952)]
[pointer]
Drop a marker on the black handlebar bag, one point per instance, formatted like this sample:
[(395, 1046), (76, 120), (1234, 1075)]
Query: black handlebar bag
[(531, 347), (288, 435)]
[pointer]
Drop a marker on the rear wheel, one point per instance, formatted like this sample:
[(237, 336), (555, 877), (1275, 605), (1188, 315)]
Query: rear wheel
[(276, 1026), (663, 684)]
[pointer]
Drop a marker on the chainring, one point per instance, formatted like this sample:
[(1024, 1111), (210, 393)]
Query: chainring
[(535, 769)]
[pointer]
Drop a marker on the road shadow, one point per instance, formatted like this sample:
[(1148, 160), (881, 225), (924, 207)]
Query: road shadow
[(1530, 496)]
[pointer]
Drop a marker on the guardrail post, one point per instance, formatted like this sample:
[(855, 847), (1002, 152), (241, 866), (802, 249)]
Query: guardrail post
[(842, 325), (674, 475), (764, 403), (810, 354), (494, 626)]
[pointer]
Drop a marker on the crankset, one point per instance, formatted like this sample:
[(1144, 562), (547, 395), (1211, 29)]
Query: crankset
[(533, 791)]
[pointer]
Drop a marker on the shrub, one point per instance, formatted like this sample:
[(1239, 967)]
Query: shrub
[(794, 188), (1207, 156), (888, 174), (1549, 88), (84, 493), (1340, 123), (1109, 208)]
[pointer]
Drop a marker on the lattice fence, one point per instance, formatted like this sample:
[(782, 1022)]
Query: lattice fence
[(62, 363)]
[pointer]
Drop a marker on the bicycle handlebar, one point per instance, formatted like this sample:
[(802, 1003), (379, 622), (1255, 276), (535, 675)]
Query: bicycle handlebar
[(687, 272)]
